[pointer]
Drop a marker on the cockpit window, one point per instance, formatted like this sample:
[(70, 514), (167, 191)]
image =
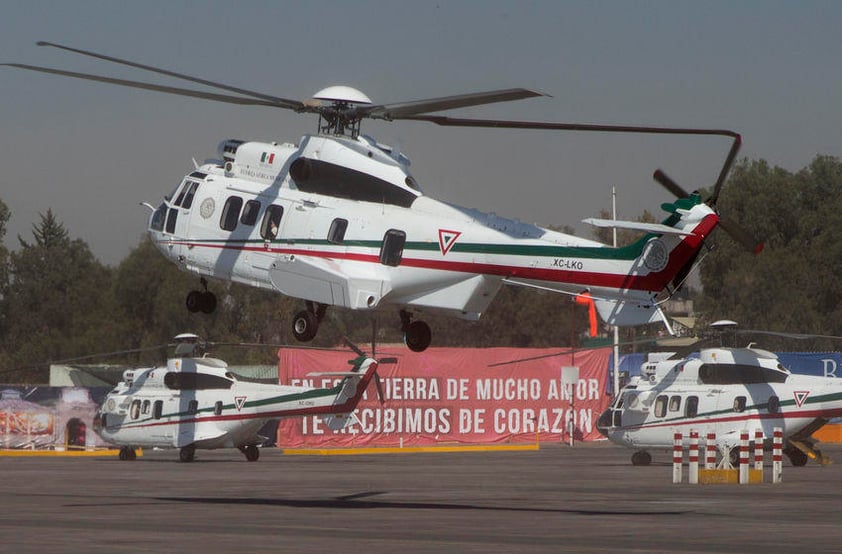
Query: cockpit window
[(320, 177), (188, 198), (157, 223)]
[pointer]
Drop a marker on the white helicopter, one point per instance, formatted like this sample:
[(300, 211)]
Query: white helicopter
[(337, 219), (195, 402), (724, 391)]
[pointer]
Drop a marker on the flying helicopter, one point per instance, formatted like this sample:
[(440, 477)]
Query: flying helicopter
[(195, 402), (724, 390), (337, 219)]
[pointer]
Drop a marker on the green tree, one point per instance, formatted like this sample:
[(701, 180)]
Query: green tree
[(795, 284), (58, 301)]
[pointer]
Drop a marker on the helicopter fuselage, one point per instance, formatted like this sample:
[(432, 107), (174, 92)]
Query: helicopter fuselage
[(197, 403), (724, 391), (340, 221)]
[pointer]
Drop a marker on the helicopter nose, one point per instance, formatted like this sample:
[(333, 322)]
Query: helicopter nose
[(603, 424)]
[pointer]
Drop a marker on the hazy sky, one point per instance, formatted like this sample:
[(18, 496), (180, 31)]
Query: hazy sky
[(91, 152)]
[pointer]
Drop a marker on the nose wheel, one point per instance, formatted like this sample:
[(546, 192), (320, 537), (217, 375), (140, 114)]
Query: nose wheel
[(201, 300)]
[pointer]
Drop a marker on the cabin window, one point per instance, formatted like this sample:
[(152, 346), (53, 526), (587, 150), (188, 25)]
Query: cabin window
[(172, 214), (158, 409), (691, 407), (250, 212), (336, 233), (774, 405), (145, 407), (188, 198), (391, 253), (135, 409), (193, 407), (675, 403), (740, 404), (661, 406), (231, 213), (217, 408), (271, 221)]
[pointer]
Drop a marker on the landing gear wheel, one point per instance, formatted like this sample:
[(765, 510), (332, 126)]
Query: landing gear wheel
[(796, 457), (305, 325), (251, 452), (194, 301), (127, 453), (187, 454), (418, 336), (201, 301), (641, 458), (208, 302)]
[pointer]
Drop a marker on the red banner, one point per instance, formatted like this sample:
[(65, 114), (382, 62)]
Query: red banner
[(451, 395)]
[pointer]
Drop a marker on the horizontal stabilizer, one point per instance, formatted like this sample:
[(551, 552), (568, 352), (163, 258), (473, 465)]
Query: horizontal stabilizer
[(337, 422), (635, 226), (624, 313)]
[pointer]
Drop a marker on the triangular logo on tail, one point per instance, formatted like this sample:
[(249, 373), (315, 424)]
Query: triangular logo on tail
[(800, 397), (447, 239)]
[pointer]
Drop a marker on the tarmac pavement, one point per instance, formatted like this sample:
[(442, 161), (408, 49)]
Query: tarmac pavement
[(588, 498)]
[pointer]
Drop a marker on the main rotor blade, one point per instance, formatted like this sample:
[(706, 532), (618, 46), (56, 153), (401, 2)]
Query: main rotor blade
[(407, 110), (149, 86), (276, 101), (550, 126)]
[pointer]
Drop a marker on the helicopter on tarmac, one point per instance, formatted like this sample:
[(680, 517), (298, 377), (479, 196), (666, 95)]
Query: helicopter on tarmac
[(195, 402), (337, 219), (724, 390)]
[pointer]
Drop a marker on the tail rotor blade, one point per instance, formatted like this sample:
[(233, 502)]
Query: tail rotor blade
[(379, 385), (353, 347), (739, 234), (665, 181)]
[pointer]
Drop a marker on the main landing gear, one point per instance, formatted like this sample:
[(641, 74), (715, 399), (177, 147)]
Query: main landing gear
[(187, 454), (306, 323), (416, 334), (251, 452), (201, 301), (127, 453)]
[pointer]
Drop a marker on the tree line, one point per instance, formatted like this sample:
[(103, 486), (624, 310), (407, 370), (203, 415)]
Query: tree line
[(59, 302)]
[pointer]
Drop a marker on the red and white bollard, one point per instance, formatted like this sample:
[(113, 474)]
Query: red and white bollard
[(744, 457), (693, 467), (758, 451), (710, 451), (777, 454), (677, 457)]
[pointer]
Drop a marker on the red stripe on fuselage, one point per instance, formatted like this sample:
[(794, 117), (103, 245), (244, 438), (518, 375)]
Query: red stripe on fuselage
[(678, 258)]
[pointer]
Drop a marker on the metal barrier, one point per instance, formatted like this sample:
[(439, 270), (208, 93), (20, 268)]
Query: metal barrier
[(724, 472)]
